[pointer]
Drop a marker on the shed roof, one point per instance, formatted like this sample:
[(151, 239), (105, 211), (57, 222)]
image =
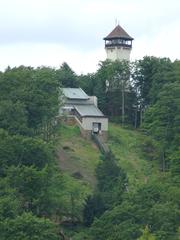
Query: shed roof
[(75, 93), (88, 111), (118, 32)]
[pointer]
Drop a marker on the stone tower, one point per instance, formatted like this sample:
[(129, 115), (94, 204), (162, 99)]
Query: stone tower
[(118, 44)]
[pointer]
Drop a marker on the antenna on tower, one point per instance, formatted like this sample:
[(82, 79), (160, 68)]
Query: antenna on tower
[(116, 21)]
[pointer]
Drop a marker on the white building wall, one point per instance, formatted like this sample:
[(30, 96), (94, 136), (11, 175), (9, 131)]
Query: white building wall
[(118, 53), (93, 100), (87, 123)]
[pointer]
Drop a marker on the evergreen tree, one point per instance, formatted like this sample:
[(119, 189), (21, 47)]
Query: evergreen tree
[(66, 76)]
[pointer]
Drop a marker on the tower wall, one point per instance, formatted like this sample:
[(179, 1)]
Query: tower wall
[(118, 53)]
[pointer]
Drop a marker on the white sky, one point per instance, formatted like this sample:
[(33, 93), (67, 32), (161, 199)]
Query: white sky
[(49, 32)]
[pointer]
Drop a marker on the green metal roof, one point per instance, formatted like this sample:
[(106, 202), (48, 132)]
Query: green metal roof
[(75, 93), (88, 111)]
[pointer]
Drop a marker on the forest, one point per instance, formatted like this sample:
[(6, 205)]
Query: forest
[(40, 201)]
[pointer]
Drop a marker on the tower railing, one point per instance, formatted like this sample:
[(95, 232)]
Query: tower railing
[(118, 44)]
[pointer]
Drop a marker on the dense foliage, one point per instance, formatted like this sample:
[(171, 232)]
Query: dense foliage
[(112, 182), (145, 94), (36, 197)]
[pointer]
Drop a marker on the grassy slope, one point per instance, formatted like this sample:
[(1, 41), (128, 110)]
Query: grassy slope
[(77, 155), (126, 145)]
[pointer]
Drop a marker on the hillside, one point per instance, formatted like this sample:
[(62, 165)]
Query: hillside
[(79, 157), (129, 147)]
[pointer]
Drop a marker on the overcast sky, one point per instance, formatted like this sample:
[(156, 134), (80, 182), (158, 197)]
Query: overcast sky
[(49, 32)]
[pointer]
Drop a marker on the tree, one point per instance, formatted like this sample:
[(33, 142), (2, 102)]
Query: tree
[(32, 187), (153, 204), (109, 174), (87, 83), (118, 223), (149, 75), (28, 227), (111, 184), (175, 166), (161, 120), (43, 102), (9, 203), (66, 76), (74, 198), (113, 88), (20, 151), (94, 207), (29, 101), (13, 117)]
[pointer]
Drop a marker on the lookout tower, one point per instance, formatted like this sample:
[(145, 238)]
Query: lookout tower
[(118, 44)]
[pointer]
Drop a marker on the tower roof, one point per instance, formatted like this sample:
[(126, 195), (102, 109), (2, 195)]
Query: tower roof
[(118, 32)]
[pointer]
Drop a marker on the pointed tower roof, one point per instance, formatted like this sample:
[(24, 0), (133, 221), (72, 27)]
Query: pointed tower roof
[(118, 32)]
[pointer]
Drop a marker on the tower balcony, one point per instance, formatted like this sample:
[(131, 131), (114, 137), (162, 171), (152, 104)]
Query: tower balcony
[(118, 43)]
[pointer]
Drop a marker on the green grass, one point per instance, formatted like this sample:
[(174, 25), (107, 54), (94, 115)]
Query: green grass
[(127, 147), (77, 155)]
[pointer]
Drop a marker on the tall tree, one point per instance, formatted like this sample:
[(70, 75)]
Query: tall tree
[(33, 93), (149, 74), (66, 76), (113, 89), (162, 119), (87, 83)]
